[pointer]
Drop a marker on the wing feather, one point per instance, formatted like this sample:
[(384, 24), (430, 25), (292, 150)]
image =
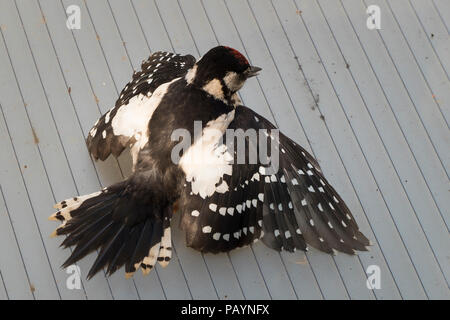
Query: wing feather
[(288, 208), (105, 138)]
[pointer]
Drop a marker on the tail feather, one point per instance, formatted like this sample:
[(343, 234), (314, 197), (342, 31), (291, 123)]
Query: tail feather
[(69, 208), (125, 231), (149, 261), (165, 252), (85, 226), (105, 257), (76, 201), (113, 259), (86, 245), (132, 243), (141, 248)]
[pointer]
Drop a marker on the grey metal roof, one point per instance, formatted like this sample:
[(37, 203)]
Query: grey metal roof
[(372, 105)]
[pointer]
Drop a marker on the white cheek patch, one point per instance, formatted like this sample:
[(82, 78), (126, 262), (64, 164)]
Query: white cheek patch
[(214, 88), (233, 81), (205, 162)]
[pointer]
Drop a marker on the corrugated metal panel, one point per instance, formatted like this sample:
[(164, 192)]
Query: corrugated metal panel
[(372, 105)]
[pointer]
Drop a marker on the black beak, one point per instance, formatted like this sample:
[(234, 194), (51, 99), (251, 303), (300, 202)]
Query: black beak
[(252, 71)]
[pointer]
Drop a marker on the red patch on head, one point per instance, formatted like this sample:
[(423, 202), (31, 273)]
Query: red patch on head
[(238, 56)]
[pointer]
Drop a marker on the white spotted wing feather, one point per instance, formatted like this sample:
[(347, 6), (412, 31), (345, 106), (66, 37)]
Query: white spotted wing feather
[(289, 209)]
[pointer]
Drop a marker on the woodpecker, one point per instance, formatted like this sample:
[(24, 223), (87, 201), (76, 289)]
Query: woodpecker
[(224, 203)]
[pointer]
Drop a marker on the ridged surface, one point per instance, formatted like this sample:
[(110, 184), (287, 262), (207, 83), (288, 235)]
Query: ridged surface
[(372, 106)]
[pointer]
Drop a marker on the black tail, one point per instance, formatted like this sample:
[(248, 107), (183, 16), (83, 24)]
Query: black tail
[(126, 231)]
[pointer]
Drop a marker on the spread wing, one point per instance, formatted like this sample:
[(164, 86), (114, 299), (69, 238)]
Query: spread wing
[(123, 125), (287, 203)]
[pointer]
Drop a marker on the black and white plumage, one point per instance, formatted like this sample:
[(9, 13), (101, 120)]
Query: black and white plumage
[(224, 204), (287, 209), (126, 123)]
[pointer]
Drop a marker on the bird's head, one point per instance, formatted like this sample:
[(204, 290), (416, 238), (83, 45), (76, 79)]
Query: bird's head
[(221, 72)]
